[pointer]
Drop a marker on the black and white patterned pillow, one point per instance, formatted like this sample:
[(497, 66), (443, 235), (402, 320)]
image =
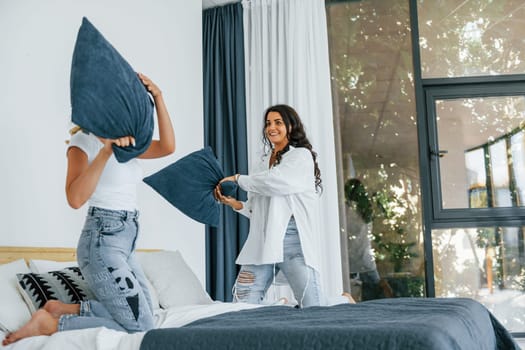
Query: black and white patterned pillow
[(67, 285)]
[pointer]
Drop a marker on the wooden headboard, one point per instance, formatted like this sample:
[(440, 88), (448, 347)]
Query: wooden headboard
[(8, 253)]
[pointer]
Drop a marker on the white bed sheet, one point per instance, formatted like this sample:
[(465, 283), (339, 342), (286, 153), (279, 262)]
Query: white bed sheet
[(107, 339)]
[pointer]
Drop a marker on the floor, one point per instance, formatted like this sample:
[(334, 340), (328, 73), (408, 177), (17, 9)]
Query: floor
[(508, 306)]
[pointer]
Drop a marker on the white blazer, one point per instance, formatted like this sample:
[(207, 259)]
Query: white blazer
[(274, 195)]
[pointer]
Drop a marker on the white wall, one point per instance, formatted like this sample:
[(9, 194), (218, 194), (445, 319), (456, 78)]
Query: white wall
[(160, 38)]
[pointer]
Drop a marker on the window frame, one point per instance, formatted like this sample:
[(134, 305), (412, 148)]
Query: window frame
[(454, 88), (427, 90), (449, 218)]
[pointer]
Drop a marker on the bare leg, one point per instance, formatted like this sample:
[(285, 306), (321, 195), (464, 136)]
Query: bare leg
[(57, 308), (41, 323)]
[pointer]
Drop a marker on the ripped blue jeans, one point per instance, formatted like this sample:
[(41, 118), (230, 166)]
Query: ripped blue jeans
[(106, 257), (254, 280)]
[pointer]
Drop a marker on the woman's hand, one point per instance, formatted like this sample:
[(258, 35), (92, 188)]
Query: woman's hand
[(232, 202), (232, 178), (218, 194), (150, 86), (124, 141)]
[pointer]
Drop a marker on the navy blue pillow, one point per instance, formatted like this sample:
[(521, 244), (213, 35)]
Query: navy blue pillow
[(188, 185), (107, 97)]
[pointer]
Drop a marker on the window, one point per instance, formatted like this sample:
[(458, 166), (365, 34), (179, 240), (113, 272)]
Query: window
[(471, 115), (374, 103), (429, 104), (460, 38), (484, 263), (475, 151)]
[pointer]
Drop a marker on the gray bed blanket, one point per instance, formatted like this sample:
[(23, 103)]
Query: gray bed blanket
[(401, 323)]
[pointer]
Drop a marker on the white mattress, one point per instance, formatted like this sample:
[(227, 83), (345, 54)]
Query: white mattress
[(106, 339)]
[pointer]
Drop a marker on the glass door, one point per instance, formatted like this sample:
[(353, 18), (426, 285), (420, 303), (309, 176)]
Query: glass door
[(477, 160), (471, 109)]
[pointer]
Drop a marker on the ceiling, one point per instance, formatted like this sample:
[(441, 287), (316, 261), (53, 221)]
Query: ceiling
[(370, 52)]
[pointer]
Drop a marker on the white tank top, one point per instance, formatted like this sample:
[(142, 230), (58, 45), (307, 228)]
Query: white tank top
[(117, 186)]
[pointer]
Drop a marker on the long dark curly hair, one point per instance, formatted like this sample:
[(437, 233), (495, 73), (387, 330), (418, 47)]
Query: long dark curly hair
[(296, 137)]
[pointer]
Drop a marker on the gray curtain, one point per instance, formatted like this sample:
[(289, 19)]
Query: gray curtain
[(225, 132)]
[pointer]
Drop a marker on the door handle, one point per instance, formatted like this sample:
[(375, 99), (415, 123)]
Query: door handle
[(440, 153)]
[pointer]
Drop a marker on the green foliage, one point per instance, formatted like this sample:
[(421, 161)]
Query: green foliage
[(393, 224), (399, 253), (356, 194), (407, 286), (486, 237), (398, 250)]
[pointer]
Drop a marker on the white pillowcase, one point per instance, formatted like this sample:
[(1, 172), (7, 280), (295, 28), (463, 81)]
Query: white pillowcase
[(174, 281), (14, 312), (43, 266), (153, 295)]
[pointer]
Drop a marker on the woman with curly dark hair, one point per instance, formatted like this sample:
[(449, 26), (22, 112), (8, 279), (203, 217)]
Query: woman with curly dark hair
[(283, 208)]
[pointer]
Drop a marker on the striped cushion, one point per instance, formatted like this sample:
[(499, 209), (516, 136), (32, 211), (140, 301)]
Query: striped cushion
[(67, 285)]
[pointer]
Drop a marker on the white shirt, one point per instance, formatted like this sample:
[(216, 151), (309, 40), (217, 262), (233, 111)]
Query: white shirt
[(360, 252), (117, 186), (274, 195)]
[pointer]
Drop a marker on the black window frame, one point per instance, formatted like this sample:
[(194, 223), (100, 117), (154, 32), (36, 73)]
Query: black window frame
[(426, 91), (456, 88)]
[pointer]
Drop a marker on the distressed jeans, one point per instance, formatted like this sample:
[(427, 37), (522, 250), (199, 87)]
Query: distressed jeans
[(106, 257), (254, 280)]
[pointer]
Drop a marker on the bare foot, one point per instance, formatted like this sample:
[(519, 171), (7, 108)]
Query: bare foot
[(41, 323), (349, 297), (282, 301), (57, 308)]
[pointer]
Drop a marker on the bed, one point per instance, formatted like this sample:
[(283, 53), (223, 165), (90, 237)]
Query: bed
[(187, 318)]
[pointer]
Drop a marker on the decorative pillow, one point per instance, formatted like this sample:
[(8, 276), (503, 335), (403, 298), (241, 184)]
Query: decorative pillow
[(107, 97), (13, 311), (188, 185), (67, 285), (174, 281), (153, 295), (41, 266)]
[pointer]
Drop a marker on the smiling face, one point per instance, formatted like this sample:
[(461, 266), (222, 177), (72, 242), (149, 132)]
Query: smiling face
[(276, 130)]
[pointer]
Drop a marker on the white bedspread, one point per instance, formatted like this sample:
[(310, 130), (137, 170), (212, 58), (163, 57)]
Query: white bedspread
[(106, 339)]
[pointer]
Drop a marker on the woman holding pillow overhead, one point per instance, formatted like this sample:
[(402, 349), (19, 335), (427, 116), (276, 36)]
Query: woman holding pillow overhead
[(105, 251), (283, 208)]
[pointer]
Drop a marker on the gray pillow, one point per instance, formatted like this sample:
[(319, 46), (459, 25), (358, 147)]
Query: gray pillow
[(188, 185), (67, 285), (107, 97)]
